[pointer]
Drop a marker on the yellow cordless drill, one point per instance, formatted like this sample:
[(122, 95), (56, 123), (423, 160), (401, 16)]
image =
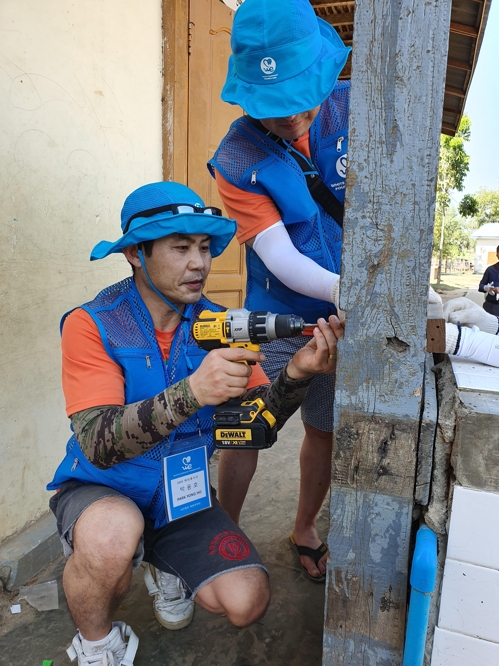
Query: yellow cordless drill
[(243, 424)]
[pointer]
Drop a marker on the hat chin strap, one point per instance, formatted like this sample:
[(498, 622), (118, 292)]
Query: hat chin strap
[(169, 303)]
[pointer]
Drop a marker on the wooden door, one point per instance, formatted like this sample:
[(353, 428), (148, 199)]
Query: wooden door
[(210, 23)]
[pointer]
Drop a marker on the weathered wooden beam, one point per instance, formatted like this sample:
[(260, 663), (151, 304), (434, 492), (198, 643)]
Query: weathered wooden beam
[(395, 122), (459, 64), (340, 19), (435, 329), (427, 435), (332, 4), (455, 92), (463, 29)]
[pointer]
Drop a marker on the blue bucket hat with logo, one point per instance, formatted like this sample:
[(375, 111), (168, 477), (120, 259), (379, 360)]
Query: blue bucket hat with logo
[(160, 209), (285, 60)]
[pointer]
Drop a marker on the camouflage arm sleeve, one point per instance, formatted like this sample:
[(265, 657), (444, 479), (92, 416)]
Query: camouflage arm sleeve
[(110, 434), (282, 397)]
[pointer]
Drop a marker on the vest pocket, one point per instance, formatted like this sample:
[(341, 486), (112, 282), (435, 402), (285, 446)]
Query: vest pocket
[(137, 479)]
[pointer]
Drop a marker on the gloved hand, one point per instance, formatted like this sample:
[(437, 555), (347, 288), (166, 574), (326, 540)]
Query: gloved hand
[(470, 314), (335, 299), (491, 290), (433, 297), (451, 337)]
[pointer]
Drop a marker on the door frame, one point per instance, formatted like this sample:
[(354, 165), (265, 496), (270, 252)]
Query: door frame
[(175, 98)]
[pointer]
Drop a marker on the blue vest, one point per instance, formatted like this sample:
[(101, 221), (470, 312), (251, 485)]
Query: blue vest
[(127, 332), (254, 163)]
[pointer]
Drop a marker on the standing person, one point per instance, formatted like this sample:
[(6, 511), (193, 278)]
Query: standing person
[(489, 284), (140, 395), (280, 172)]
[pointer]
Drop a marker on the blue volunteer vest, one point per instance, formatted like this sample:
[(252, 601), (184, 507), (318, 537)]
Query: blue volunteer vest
[(127, 332), (254, 163)]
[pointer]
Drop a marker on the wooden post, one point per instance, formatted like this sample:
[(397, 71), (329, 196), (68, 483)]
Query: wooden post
[(175, 88), (398, 76)]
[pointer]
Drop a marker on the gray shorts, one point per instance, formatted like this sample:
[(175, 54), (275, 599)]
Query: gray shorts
[(197, 548), (317, 408)]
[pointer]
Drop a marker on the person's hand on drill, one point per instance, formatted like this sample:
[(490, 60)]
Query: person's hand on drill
[(222, 376), (319, 355)]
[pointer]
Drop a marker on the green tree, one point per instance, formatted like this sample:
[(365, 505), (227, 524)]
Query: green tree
[(452, 169), (457, 241), (487, 206), (469, 206)]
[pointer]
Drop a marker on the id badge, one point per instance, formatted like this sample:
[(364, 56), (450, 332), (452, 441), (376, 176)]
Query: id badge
[(187, 483)]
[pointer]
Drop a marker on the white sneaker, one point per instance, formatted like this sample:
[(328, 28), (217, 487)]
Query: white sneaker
[(110, 651), (171, 608)]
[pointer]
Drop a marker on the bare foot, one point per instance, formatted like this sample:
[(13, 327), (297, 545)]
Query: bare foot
[(309, 537)]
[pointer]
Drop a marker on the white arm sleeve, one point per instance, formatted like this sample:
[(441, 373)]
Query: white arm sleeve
[(295, 270), (478, 346)]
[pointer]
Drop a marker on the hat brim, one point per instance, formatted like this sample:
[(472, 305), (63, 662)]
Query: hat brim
[(294, 95), (221, 229)]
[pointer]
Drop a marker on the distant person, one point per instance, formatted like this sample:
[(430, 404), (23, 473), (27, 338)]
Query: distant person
[(489, 284)]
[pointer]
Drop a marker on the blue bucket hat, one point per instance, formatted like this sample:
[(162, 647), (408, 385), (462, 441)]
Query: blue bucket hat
[(145, 216), (285, 60)]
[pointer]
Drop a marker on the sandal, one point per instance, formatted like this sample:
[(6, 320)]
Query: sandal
[(315, 553)]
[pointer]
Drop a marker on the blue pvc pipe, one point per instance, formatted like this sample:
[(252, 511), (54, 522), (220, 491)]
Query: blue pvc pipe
[(423, 577)]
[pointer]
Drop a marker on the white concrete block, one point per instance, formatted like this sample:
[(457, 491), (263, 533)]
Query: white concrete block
[(475, 376), (450, 649), (470, 600), (473, 533)]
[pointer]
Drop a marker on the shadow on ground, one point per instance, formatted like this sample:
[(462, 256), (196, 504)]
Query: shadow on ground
[(290, 634)]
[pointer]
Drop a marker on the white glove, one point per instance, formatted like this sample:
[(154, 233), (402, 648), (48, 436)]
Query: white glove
[(433, 297), (470, 314), (474, 345), (489, 289), (458, 304), (335, 299), (451, 336)]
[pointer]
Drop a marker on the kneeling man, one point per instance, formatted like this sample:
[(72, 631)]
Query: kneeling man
[(141, 397)]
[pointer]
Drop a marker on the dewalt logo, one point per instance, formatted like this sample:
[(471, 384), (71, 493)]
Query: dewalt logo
[(233, 434)]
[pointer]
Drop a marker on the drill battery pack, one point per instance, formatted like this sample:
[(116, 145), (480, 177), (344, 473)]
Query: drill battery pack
[(244, 425)]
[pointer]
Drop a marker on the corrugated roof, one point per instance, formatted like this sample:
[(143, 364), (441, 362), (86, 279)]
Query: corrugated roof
[(468, 20)]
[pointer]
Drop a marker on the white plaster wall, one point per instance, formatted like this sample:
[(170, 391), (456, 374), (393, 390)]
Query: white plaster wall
[(483, 247), (80, 128)]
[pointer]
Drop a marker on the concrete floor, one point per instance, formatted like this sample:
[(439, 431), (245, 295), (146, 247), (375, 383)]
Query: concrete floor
[(290, 634), (476, 296), (473, 294)]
